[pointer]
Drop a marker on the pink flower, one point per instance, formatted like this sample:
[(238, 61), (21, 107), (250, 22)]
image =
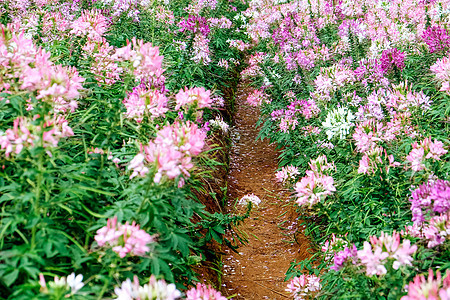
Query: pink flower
[(303, 286), (427, 149), (429, 288), (144, 58), (198, 97), (138, 167), (25, 134), (201, 52), (374, 255), (91, 23), (442, 70), (437, 231), (124, 238), (415, 157), (373, 261), (203, 292), (256, 98), (286, 173), (364, 166), (436, 149), (313, 188), (171, 152), (142, 101)]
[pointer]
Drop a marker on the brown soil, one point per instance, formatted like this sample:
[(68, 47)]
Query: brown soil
[(258, 270)]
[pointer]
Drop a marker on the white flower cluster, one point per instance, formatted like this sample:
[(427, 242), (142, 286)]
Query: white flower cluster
[(250, 198), (219, 123), (338, 122)]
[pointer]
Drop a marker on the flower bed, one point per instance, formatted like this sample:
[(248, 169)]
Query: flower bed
[(104, 136), (356, 95)]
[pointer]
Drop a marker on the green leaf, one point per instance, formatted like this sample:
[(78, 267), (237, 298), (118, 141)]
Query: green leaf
[(11, 277)]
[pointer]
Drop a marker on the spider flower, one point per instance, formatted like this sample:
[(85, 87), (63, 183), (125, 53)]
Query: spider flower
[(202, 291), (432, 288), (124, 238)]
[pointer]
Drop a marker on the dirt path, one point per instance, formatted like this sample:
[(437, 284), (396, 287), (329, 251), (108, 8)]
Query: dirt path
[(258, 271)]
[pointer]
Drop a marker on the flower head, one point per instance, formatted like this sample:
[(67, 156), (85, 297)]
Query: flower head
[(202, 291), (124, 238), (338, 123)]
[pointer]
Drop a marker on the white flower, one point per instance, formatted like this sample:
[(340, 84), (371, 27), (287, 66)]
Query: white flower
[(338, 121), (219, 123), (75, 282), (250, 198)]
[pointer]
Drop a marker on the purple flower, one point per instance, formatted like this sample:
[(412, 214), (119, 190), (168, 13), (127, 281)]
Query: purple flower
[(436, 38), (342, 256), (195, 24), (392, 58), (432, 196)]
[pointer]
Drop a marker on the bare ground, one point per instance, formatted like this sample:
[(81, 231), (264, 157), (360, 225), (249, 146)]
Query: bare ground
[(258, 270)]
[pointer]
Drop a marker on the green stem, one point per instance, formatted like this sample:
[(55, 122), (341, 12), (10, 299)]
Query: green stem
[(105, 286), (112, 271), (37, 192)]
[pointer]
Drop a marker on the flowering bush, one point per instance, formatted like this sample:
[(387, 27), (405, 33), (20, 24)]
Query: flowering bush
[(373, 79), (93, 131)]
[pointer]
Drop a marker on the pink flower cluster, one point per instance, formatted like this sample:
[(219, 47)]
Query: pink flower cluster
[(436, 230), (171, 152), (91, 24), (402, 98), (128, 7), (144, 59), (143, 101), (303, 286), (371, 134), (163, 15), (376, 254), (24, 134), (155, 289), (431, 288), (373, 160), (430, 206), (299, 45), (442, 70), (124, 238), (106, 70), (201, 51), (341, 257), (194, 24), (425, 150), (392, 58), (256, 98), (238, 44), (28, 68), (315, 186), (223, 23), (197, 97), (198, 5), (371, 72), (253, 68), (203, 292), (287, 173), (332, 79), (53, 25), (297, 108)]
